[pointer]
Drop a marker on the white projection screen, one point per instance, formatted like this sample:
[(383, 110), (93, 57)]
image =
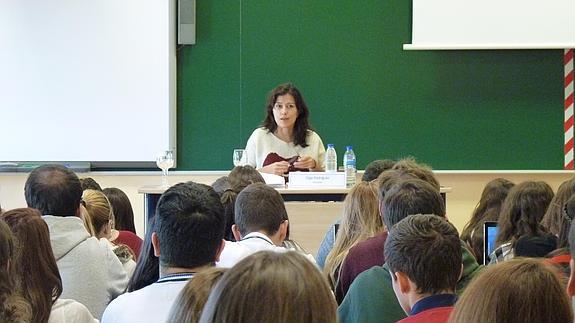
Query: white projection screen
[(493, 24), (87, 80)]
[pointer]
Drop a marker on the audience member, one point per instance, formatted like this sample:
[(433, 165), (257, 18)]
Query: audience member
[(360, 221), (423, 254), (375, 168), (554, 220), (487, 209), (370, 297), (271, 287), (521, 214), (571, 283), (515, 291), (91, 273), (239, 178), (561, 257), (123, 231), (99, 220), (88, 183), (147, 267), (369, 253), (37, 273), (190, 303), (123, 212), (13, 307), (260, 224), (188, 238), (372, 171)]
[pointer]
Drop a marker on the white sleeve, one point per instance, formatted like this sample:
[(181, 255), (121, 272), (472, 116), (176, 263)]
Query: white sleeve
[(251, 150)]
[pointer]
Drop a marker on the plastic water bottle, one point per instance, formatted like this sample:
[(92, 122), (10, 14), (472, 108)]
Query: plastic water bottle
[(330, 159), (349, 166)]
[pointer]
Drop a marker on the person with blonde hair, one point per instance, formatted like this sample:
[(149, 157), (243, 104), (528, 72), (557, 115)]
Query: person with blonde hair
[(37, 273), (189, 304), (360, 221), (99, 221), (518, 290), (271, 287)]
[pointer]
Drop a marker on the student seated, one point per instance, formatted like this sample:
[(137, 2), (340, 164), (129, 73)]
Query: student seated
[(370, 175), (37, 272), (91, 273), (260, 224), (518, 290), (123, 231), (190, 303), (423, 254), (13, 307), (188, 238), (488, 209), (271, 287), (520, 216)]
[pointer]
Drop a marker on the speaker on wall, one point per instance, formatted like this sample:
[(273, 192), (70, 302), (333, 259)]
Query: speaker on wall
[(186, 22)]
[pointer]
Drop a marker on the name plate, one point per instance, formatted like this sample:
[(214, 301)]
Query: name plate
[(316, 179)]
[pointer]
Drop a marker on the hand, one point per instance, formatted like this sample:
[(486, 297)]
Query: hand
[(305, 162), (277, 168)]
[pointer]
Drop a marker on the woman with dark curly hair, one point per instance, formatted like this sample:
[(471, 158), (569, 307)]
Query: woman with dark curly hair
[(285, 141)]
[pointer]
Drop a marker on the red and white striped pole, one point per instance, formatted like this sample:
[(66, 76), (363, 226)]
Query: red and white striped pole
[(568, 121)]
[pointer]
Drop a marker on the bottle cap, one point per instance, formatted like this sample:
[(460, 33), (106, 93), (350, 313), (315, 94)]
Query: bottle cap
[(348, 147), (329, 145)]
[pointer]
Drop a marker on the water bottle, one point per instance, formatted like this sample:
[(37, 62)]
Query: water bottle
[(330, 159), (349, 167)]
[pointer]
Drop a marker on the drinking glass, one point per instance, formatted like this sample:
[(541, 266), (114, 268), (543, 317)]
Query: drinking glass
[(239, 157), (165, 161)]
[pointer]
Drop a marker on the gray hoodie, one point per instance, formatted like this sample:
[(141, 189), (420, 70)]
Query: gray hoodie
[(91, 273)]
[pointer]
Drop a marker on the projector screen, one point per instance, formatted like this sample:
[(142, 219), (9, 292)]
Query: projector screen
[(87, 80), (493, 24)]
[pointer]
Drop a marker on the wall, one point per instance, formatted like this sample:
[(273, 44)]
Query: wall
[(456, 110)]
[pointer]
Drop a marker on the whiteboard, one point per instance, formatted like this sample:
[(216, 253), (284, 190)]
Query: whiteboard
[(493, 24), (86, 80)]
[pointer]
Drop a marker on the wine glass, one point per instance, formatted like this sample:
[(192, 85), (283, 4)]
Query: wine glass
[(165, 161), (239, 157)]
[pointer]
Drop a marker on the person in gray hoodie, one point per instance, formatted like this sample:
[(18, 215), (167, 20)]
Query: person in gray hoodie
[(91, 273)]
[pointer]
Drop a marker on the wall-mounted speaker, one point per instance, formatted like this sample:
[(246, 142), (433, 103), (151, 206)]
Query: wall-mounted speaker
[(186, 22)]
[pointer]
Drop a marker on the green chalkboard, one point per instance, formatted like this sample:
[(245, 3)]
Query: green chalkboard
[(455, 110)]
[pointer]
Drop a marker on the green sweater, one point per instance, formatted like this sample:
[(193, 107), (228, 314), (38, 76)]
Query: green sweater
[(370, 297)]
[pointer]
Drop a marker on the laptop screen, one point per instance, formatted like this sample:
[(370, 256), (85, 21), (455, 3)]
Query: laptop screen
[(489, 234)]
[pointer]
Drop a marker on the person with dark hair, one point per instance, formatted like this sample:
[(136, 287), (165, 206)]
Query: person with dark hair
[(91, 273), (238, 179), (554, 220), (571, 283), (521, 214), (88, 183), (13, 307), (285, 141), (188, 237), (147, 267), (561, 257), (271, 287), (369, 252), (123, 232), (37, 272), (375, 168), (423, 282), (370, 297), (260, 224), (487, 209)]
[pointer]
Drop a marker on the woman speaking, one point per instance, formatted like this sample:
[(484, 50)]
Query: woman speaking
[(285, 142)]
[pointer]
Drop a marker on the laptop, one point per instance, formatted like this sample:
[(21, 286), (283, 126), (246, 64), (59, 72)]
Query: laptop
[(489, 235)]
